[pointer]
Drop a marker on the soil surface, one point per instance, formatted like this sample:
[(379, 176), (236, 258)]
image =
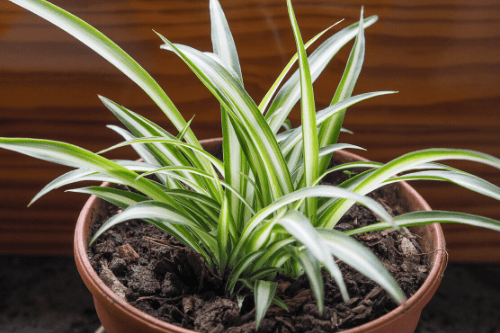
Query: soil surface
[(158, 275)]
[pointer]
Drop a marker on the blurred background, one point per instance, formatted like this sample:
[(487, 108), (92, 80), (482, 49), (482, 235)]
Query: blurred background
[(441, 55)]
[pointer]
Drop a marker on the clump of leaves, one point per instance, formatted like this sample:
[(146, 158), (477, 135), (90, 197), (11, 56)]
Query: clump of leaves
[(263, 215)]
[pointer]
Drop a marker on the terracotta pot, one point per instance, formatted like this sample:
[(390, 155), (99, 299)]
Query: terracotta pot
[(117, 316)]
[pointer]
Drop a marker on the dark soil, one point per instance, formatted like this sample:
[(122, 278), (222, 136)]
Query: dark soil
[(158, 275)]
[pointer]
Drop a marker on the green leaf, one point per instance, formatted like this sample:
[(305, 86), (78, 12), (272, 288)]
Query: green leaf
[(163, 215), (240, 299), (318, 191), (235, 161), (217, 163), (258, 195), (264, 292), (429, 217), (271, 250), (265, 101), (350, 166), (239, 105), (330, 129), (463, 179), (142, 127), (222, 39), (154, 210), (402, 163), (289, 94), (183, 132), (308, 116), (177, 172), (281, 259), (171, 171), (312, 268), (225, 231), (240, 267), (266, 182), (358, 178), (280, 303), (112, 53), (66, 154), (120, 198), (124, 200), (299, 227), (287, 125), (296, 135), (141, 150), (322, 152), (194, 202), (295, 163), (235, 164), (164, 154), (191, 197), (352, 182), (65, 179), (73, 156), (263, 273), (362, 259)]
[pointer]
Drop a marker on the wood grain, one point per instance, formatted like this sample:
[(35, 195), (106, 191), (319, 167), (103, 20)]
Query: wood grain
[(442, 57)]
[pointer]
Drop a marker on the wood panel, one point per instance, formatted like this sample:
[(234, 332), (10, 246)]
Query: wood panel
[(442, 57)]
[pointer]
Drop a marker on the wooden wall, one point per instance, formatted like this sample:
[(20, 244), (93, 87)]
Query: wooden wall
[(441, 55)]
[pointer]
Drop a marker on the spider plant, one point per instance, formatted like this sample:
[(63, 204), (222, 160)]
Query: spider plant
[(262, 215)]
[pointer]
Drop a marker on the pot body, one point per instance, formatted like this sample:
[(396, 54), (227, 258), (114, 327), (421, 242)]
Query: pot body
[(117, 316)]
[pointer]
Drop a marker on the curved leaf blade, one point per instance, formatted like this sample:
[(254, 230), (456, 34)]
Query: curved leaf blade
[(312, 268), (65, 179), (463, 179), (296, 135), (308, 117), (330, 129), (127, 199), (106, 48), (267, 98), (235, 161), (154, 210), (73, 156), (217, 163), (318, 191), (165, 154), (225, 231), (240, 267), (238, 103), (429, 217), (264, 292), (289, 94), (301, 228), (363, 260), (402, 163), (120, 198), (222, 39)]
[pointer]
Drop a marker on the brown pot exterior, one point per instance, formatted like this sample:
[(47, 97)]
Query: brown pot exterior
[(117, 316)]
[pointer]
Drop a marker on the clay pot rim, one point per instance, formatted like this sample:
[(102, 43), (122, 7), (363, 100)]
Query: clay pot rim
[(95, 284)]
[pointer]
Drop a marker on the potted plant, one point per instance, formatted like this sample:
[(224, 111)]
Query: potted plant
[(262, 219)]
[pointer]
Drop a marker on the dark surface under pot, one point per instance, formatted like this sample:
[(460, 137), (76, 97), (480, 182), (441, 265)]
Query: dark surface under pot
[(42, 294)]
